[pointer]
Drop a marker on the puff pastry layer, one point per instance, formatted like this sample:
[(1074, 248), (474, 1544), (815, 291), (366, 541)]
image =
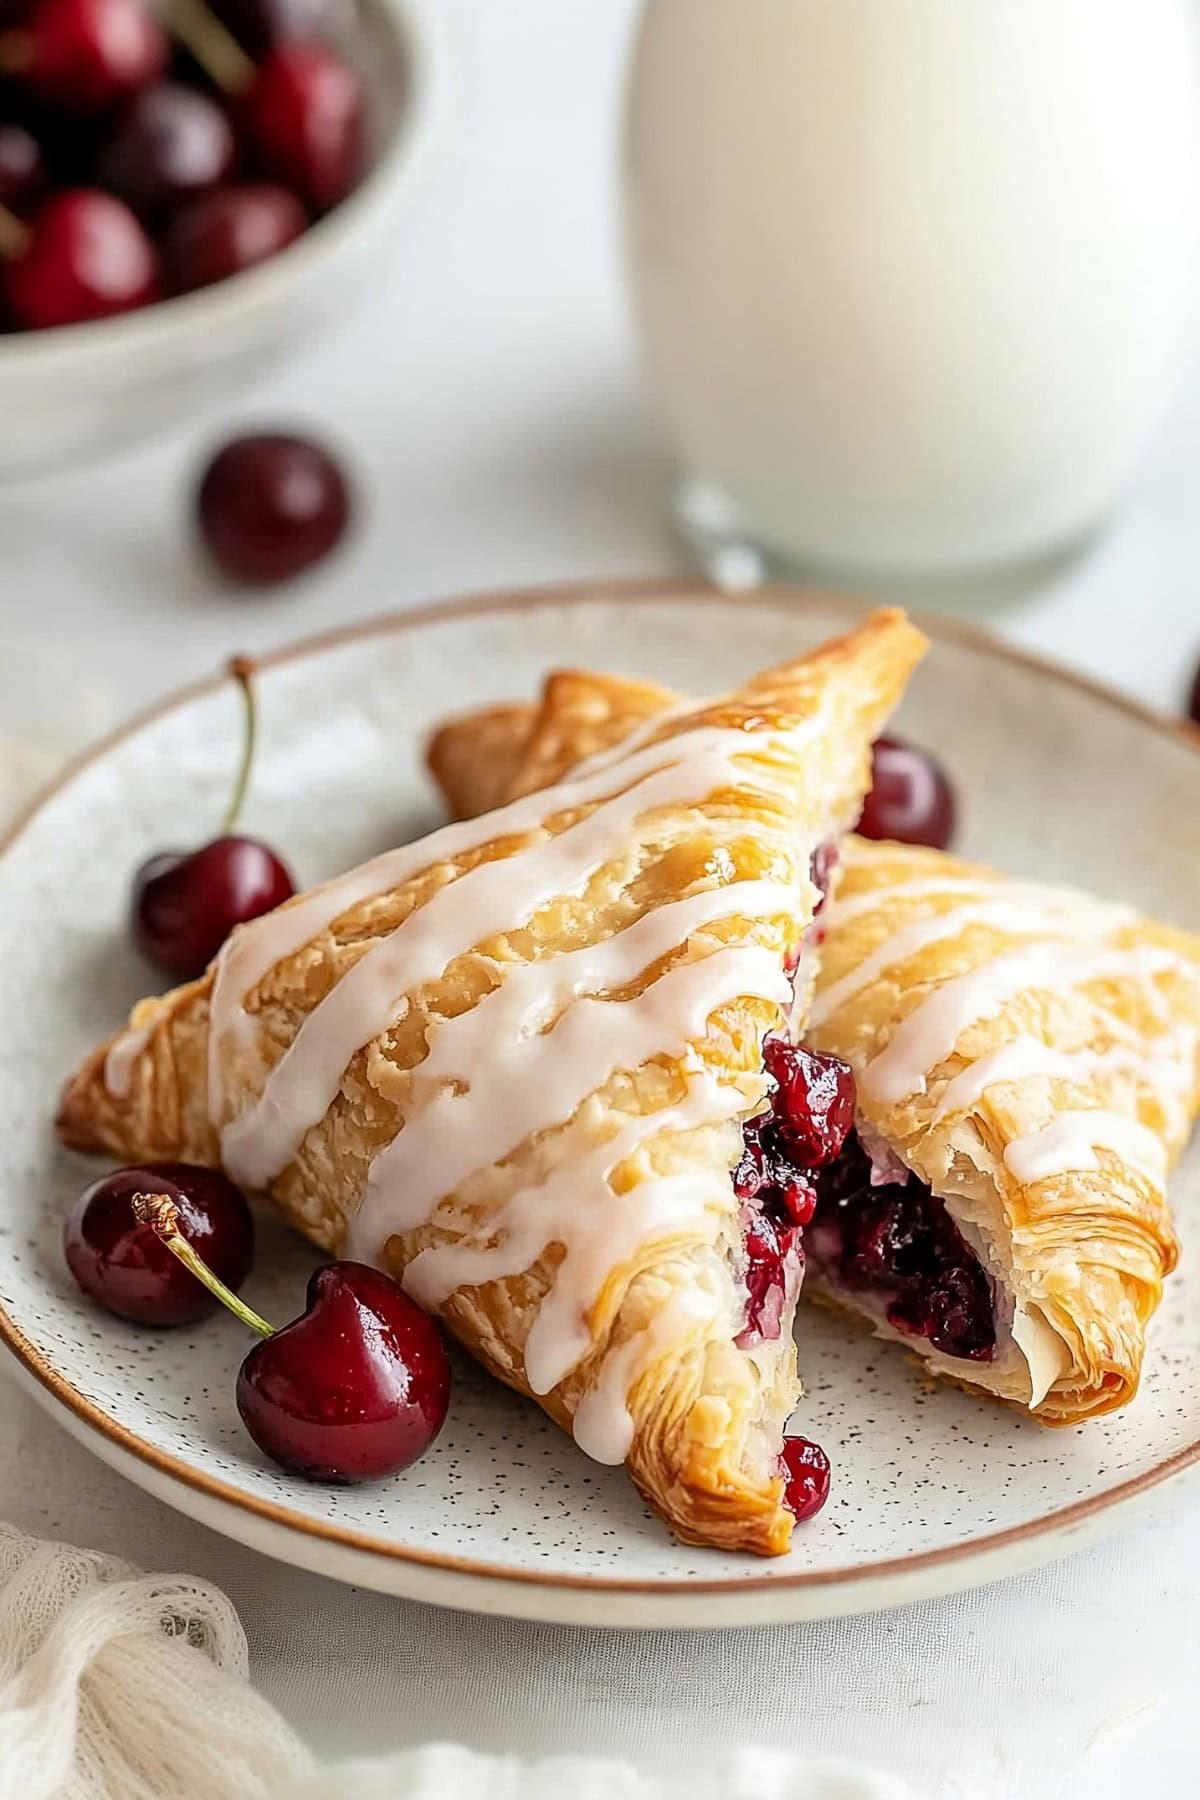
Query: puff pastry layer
[(1029, 1056), (511, 1064)]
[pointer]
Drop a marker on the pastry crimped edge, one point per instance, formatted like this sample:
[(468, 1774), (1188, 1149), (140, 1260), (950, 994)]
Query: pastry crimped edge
[(702, 1406), (1104, 1312)]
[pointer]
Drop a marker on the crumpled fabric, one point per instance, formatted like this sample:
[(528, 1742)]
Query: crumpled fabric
[(116, 1685)]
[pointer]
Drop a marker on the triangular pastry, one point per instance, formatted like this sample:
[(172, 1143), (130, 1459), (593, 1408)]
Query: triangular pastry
[(512, 1063), (1028, 1068)]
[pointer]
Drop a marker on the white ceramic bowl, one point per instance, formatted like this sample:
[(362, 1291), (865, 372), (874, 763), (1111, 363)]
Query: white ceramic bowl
[(68, 393)]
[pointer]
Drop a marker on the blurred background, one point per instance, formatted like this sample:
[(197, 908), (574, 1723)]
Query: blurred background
[(461, 337)]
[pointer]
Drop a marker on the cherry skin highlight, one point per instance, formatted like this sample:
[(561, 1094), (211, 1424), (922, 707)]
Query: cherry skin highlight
[(126, 1268), (86, 258), (228, 231), (270, 506), (355, 1388), (304, 116), (185, 906), (171, 144), (911, 800), (87, 55), (22, 168)]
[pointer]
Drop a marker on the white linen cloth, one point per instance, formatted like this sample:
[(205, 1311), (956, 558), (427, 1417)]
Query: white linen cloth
[(117, 1685), (1077, 1682)]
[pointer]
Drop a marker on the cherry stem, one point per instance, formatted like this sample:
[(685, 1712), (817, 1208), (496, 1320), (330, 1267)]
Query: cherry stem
[(242, 669), (213, 46), (14, 234), (160, 1212)]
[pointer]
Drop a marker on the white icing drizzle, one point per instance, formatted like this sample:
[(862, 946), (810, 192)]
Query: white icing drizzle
[(598, 1229), (123, 1054), (846, 906), (840, 910), (1162, 1064), (489, 899), (603, 1426), (254, 949), (931, 1030), (1037, 917), (539, 1080), (1070, 1142)]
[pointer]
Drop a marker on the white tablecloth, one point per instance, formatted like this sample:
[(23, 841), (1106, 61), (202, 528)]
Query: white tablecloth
[(489, 401)]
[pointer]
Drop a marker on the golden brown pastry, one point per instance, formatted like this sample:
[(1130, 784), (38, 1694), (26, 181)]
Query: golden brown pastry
[(1028, 1065), (1028, 1069), (512, 1063)]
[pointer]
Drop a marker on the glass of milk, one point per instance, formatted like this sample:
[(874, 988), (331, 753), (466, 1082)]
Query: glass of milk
[(913, 280)]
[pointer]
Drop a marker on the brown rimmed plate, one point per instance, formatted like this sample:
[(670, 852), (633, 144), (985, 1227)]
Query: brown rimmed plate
[(933, 1490)]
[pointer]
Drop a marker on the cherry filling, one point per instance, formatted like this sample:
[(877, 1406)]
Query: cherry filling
[(805, 1469), (811, 1111), (810, 1114), (803, 1166), (897, 1241)]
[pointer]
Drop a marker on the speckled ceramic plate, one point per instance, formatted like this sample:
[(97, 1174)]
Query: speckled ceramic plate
[(933, 1490)]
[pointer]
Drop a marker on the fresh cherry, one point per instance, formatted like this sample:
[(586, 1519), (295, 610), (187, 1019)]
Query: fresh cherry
[(171, 144), (184, 905), (806, 1474), (1194, 702), (226, 232), (304, 116), (270, 506), (82, 256), (123, 1263), (22, 167), (356, 1387), (910, 801), (85, 55)]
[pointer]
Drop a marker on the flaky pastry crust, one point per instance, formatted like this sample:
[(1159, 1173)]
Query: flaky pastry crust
[(1079, 1253), (611, 1213)]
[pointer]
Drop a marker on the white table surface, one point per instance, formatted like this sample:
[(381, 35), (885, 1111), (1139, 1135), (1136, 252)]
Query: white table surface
[(489, 402)]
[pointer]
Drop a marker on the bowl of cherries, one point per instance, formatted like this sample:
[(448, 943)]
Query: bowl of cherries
[(189, 191)]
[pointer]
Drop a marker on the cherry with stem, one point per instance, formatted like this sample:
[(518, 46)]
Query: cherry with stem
[(184, 905), (356, 1387)]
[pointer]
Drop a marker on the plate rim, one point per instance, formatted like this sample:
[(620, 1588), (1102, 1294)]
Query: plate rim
[(1049, 1527)]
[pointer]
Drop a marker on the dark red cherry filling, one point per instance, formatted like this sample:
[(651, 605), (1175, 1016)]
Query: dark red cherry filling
[(811, 1110), (805, 1469), (897, 1241), (801, 1132)]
